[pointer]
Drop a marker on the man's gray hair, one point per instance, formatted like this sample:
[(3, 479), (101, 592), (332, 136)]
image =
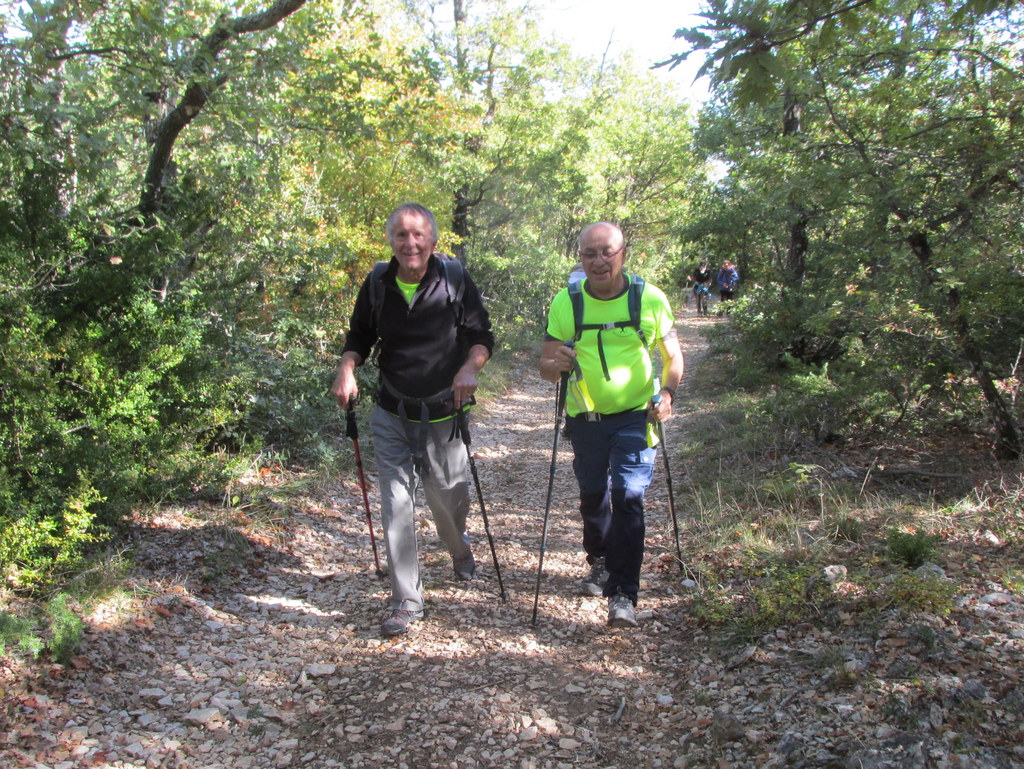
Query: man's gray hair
[(410, 208)]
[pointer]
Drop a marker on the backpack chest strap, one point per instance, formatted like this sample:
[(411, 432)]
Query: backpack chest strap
[(634, 293)]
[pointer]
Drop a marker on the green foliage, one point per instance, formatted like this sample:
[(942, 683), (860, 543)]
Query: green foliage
[(714, 606), (790, 487), (34, 543), (18, 634), (780, 594), (865, 208), (283, 402), (914, 593), (849, 528), (65, 631), (911, 548), (789, 593), (55, 629)]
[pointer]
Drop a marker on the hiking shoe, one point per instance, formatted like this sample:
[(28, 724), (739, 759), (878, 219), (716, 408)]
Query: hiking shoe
[(621, 612), (465, 568), (593, 583), (398, 621)]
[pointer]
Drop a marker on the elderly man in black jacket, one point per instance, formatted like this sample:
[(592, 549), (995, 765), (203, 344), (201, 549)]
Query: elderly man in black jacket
[(433, 341)]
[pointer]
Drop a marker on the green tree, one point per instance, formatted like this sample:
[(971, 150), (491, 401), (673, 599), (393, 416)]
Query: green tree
[(886, 139), (109, 389)]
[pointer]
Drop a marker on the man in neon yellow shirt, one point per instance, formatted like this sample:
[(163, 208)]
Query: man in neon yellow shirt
[(611, 398)]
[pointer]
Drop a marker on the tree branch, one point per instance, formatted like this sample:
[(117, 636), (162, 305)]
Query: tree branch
[(88, 52), (196, 95)]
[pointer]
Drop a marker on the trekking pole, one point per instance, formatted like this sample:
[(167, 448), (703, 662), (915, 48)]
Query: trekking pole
[(352, 431), (464, 430), (660, 427), (560, 394)]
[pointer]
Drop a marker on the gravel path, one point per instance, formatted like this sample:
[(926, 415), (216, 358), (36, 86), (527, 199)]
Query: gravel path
[(264, 650)]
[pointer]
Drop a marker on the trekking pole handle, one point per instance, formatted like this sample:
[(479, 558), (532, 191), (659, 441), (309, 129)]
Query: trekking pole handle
[(655, 399), (463, 421), (659, 425), (351, 427), (571, 344)]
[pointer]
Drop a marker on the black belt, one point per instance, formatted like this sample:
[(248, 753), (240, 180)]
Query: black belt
[(594, 416), (417, 410)]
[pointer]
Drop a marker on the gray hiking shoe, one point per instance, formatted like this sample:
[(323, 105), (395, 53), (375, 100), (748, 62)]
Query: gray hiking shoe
[(398, 621), (593, 583), (621, 612), (465, 568)]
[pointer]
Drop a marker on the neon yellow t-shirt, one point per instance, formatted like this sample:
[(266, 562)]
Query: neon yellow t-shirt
[(408, 289), (630, 368)]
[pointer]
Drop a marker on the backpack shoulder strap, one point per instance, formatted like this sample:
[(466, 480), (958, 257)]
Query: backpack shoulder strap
[(635, 299), (454, 276), (377, 291), (635, 291)]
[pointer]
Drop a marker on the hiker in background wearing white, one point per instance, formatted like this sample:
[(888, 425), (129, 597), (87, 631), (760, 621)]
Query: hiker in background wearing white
[(612, 396), (431, 347)]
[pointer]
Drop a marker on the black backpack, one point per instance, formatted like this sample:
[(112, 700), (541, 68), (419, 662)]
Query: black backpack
[(635, 294)]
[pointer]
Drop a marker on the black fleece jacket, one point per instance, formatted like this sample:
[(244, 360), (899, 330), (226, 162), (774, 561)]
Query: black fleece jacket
[(421, 345)]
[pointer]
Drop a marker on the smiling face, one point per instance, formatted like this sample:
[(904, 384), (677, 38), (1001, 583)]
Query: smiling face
[(412, 241), (603, 254)]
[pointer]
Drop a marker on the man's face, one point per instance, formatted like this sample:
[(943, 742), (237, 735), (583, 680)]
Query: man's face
[(603, 254), (412, 241)]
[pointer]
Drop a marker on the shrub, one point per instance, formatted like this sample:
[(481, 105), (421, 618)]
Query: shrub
[(914, 592), (65, 629), (56, 629), (20, 634), (911, 548), (780, 594)]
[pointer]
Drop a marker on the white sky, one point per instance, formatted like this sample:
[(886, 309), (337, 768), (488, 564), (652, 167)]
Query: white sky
[(643, 26)]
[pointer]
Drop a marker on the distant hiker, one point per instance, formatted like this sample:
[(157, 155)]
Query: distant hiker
[(599, 334), (433, 335), (701, 277), (727, 279), (701, 274), (577, 273)]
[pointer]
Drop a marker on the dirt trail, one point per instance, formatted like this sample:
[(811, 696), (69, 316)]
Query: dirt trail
[(264, 651)]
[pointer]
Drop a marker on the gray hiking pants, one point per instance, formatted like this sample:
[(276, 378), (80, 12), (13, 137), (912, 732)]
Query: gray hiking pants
[(446, 487)]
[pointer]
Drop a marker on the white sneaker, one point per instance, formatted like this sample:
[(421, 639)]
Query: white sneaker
[(621, 612)]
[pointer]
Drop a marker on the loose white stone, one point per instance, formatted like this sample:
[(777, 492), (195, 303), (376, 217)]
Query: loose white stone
[(316, 670), (203, 716)]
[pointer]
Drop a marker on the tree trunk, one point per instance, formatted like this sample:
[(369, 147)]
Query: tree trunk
[(460, 222), (796, 257), (1008, 440)]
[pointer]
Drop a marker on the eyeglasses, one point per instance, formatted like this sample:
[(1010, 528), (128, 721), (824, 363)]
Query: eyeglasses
[(591, 254)]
